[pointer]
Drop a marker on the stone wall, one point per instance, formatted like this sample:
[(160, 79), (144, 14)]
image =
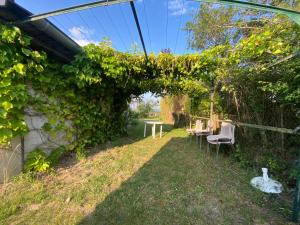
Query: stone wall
[(11, 159), (37, 137)]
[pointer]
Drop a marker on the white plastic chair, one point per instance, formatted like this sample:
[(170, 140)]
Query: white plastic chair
[(226, 136), (204, 132), (192, 131)]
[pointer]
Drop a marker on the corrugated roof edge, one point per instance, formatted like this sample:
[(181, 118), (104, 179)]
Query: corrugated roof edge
[(46, 36)]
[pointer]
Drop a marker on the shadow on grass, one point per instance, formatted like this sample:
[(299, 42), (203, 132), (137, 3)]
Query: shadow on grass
[(135, 134), (183, 185)]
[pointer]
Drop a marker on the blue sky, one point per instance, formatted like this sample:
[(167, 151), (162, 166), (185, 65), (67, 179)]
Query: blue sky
[(161, 22)]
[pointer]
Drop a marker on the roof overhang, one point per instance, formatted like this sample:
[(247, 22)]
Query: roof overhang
[(45, 35)]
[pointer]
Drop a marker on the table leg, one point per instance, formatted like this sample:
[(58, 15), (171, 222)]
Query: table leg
[(145, 128), (160, 131), (153, 131)]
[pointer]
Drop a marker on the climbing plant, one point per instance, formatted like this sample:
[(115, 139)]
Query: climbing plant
[(18, 63), (88, 98)]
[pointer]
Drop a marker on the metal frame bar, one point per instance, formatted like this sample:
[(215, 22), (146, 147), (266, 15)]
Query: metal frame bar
[(138, 27), (294, 15), (255, 126), (84, 7), (294, 55), (69, 10), (296, 204)]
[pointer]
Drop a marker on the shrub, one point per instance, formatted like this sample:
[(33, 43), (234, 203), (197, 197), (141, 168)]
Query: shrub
[(38, 161)]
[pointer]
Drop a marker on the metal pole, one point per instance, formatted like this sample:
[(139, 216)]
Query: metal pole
[(294, 15), (296, 206), (138, 27), (69, 10)]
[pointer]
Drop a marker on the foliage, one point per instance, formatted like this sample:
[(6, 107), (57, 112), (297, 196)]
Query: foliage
[(214, 25), (209, 27), (171, 107), (39, 161), (144, 108), (17, 64), (88, 98)]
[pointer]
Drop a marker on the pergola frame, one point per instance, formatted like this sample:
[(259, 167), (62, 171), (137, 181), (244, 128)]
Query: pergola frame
[(294, 15)]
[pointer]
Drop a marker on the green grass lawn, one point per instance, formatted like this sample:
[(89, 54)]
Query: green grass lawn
[(136, 180)]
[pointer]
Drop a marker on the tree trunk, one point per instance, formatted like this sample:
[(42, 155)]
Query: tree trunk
[(212, 99), (237, 105), (263, 135)]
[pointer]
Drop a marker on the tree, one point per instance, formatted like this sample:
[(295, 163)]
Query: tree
[(144, 108), (209, 27)]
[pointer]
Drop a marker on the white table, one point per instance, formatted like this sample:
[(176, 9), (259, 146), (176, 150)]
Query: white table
[(153, 123)]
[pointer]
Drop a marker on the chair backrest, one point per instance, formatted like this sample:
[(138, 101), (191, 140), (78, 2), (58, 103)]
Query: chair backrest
[(199, 125), (227, 130), (209, 126)]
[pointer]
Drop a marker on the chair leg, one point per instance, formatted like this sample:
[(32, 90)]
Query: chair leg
[(207, 149), (200, 141), (218, 148), (232, 147)]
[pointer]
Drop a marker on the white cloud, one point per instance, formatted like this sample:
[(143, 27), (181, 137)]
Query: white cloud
[(83, 42), (81, 35), (177, 7)]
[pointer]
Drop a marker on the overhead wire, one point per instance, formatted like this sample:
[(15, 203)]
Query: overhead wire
[(98, 21), (146, 18), (125, 20), (180, 22), (167, 23), (87, 34), (69, 19), (116, 28), (59, 23)]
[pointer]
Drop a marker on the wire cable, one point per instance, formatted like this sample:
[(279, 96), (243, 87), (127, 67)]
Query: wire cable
[(86, 34), (100, 23), (69, 19), (59, 23), (116, 29), (85, 23), (98, 20), (125, 20), (167, 23), (146, 18), (180, 22)]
